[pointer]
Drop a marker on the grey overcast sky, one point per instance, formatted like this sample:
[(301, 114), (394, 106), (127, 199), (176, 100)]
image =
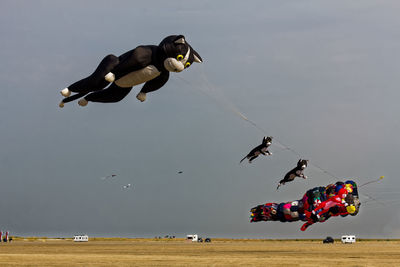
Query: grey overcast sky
[(319, 76)]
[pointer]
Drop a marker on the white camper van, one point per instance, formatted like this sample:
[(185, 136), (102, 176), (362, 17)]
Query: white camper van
[(348, 239)]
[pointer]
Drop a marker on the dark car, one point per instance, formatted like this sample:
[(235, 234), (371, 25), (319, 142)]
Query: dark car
[(208, 240), (328, 240)]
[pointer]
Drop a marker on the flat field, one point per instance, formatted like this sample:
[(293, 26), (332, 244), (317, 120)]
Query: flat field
[(220, 252)]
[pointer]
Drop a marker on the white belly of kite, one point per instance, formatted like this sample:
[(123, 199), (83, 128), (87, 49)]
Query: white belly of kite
[(137, 77)]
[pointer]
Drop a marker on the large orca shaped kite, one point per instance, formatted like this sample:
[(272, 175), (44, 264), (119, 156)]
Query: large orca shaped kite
[(149, 64)]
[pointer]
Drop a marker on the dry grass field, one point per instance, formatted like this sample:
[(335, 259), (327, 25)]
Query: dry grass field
[(221, 252)]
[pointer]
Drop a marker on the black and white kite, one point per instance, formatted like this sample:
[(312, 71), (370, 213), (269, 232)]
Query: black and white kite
[(296, 172), (149, 64), (261, 149)]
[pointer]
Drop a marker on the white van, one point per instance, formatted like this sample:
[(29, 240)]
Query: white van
[(348, 239)]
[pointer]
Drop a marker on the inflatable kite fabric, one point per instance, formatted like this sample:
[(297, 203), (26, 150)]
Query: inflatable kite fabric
[(317, 205), (260, 149), (149, 64)]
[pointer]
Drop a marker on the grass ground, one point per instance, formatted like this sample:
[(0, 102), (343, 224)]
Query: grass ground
[(221, 252)]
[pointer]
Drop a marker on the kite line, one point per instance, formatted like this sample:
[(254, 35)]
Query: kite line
[(217, 96)]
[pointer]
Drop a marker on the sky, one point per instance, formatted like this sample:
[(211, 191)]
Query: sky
[(320, 77)]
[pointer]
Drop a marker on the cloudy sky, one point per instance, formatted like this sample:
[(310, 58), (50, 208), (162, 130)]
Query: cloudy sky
[(319, 76)]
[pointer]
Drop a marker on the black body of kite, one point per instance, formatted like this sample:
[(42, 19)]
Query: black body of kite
[(261, 149), (149, 64), (296, 172)]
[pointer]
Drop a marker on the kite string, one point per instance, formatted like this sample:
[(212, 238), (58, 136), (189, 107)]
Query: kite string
[(244, 117), (373, 199), (373, 181), (234, 109)]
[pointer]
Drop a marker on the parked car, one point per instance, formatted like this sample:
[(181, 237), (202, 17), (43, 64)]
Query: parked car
[(328, 240)]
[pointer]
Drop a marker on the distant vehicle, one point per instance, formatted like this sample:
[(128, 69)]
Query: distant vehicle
[(328, 240), (81, 238), (193, 238), (348, 239), (196, 238)]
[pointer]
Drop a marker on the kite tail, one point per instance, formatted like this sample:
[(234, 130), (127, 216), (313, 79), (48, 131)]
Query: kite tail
[(243, 159)]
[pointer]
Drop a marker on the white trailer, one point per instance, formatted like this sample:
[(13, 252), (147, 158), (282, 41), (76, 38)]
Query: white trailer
[(81, 238), (193, 238), (348, 239)]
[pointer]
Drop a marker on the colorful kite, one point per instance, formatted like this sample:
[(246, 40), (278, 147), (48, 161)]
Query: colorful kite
[(317, 205)]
